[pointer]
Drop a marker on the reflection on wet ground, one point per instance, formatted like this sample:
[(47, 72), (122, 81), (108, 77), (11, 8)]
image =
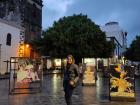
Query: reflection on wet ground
[(52, 93)]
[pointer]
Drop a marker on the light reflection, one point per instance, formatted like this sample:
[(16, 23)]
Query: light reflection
[(99, 86), (18, 99), (55, 82)]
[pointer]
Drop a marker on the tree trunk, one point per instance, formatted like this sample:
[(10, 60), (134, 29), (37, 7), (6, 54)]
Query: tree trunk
[(78, 60)]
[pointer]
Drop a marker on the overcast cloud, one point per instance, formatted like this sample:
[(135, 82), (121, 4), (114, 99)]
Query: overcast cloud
[(126, 12)]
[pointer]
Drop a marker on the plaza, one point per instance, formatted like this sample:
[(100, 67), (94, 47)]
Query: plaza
[(52, 93)]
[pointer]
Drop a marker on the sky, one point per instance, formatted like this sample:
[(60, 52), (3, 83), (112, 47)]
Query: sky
[(126, 12)]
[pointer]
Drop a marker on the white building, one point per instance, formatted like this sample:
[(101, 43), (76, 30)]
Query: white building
[(118, 35), (9, 42)]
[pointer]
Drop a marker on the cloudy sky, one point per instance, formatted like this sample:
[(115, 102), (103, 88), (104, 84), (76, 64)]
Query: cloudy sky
[(126, 12)]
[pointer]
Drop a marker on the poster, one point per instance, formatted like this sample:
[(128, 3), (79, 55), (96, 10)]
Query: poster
[(89, 76), (89, 71), (27, 71), (122, 83), (25, 75)]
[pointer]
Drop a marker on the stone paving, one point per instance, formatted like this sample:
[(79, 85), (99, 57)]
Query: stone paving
[(52, 94)]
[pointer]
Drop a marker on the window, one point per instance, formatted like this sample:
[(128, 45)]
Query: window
[(8, 39)]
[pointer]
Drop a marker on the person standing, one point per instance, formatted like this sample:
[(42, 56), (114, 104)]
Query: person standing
[(71, 76)]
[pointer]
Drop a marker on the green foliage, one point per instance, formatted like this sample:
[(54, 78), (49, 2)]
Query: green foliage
[(76, 35), (133, 52)]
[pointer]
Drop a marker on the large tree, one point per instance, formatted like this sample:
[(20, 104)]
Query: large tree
[(76, 35), (133, 52)]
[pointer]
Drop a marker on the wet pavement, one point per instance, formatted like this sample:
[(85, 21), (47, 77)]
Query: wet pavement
[(52, 93)]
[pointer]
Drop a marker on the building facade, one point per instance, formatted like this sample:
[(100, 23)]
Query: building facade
[(26, 13), (115, 33), (20, 23), (9, 42), (31, 19)]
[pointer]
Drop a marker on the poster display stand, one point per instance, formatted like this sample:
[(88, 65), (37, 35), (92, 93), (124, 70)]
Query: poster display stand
[(25, 75), (122, 83), (89, 76), (89, 71)]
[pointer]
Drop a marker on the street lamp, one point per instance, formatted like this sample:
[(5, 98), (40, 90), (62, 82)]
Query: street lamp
[(27, 45)]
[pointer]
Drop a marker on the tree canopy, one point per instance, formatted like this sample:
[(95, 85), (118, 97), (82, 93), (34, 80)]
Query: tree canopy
[(133, 52), (76, 35)]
